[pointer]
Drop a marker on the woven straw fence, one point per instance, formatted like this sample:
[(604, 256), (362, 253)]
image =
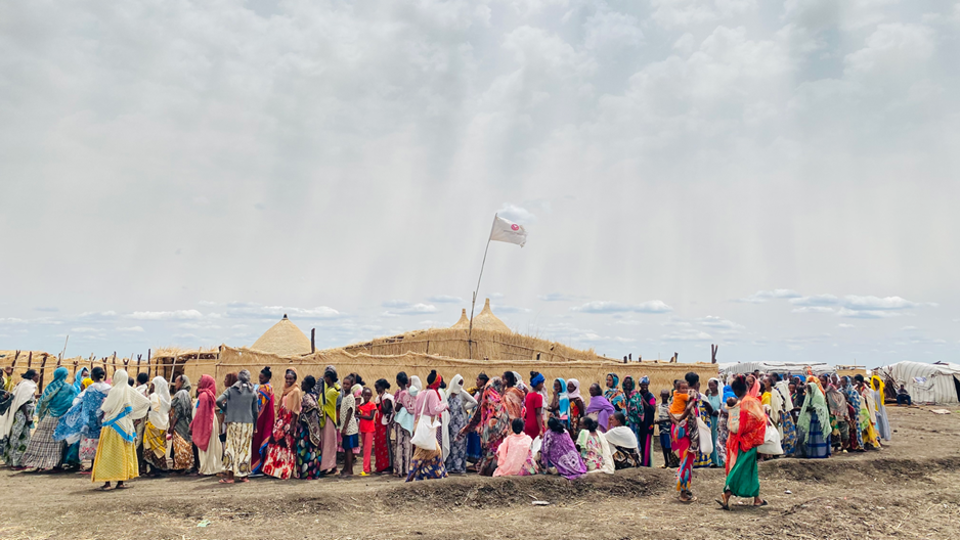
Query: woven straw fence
[(47, 363), (372, 367)]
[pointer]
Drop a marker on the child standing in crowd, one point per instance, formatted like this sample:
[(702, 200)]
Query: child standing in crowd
[(366, 412), (348, 426), (663, 422)]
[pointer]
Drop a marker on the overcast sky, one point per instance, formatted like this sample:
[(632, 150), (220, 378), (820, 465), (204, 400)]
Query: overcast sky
[(778, 178)]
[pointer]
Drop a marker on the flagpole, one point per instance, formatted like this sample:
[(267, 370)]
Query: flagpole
[(473, 305)]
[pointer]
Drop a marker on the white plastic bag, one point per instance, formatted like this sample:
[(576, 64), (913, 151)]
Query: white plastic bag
[(425, 436), (706, 439), (771, 442)]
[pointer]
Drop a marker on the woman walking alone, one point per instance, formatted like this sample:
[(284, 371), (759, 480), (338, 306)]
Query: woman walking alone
[(240, 403), (116, 458), (747, 427), (44, 452)]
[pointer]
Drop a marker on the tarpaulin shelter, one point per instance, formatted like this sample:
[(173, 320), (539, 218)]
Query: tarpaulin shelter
[(926, 383)]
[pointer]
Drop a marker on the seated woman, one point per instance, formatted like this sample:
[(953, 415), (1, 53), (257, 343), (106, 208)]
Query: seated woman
[(513, 456), (623, 442), (558, 453), (594, 448)]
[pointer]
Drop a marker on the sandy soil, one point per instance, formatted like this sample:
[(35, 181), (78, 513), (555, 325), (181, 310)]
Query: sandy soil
[(911, 489)]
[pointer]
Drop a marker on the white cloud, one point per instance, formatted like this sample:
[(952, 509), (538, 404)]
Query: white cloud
[(653, 306), (130, 329), (516, 214), (402, 307), (867, 314), (445, 299), (812, 309), (816, 300), (760, 297), (557, 297), (844, 325), (686, 335), (254, 310), (179, 315), (612, 29), (876, 303)]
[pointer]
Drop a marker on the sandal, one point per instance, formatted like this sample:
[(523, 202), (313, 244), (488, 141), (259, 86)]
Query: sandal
[(106, 488), (723, 505), (763, 502), (124, 487), (225, 481)]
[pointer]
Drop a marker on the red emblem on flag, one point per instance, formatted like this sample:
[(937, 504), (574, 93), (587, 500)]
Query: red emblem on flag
[(515, 227)]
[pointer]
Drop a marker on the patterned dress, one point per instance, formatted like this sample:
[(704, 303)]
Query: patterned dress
[(14, 446), (853, 399), (703, 460), (309, 442), (789, 440), (236, 454), (591, 451), (492, 421), (43, 452), (456, 461), (280, 460), (381, 435)]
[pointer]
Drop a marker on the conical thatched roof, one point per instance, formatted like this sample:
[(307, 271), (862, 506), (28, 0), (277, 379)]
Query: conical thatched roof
[(464, 322), (283, 338), (486, 320)]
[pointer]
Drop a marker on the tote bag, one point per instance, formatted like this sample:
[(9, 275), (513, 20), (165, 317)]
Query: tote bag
[(706, 439), (771, 442), (425, 436)]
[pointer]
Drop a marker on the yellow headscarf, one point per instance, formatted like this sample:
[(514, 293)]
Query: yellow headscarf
[(85, 383), (877, 384)]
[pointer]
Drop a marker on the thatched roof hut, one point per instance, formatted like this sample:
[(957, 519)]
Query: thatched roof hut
[(283, 339), (486, 320), (464, 322)]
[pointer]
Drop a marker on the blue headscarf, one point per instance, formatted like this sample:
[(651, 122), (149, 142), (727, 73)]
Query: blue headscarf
[(78, 379), (57, 397), (563, 402), (536, 380)]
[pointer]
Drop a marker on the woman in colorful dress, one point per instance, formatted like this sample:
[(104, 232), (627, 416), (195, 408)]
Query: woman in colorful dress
[(613, 393), (633, 406), (266, 415), (577, 408), (43, 452), (457, 399), (205, 428), (492, 422), (474, 452), (747, 428), (81, 380), (328, 395), (181, 441), (309, 433), (155, 430), (559, 453), (594, 448), (713, 398), (705, 411), (560, 404), (382, 448), (81, 425), (868, 413), (16, 423), (787, 426), (684, 434), (116, 459), (645, 438), (512, 395), (854, 406), (240, 403), (813, 424), (280, 459), (883, 421), (403, 426), (427, 464)]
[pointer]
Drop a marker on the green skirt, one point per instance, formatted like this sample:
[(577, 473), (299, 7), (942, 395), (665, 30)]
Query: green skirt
[(744, 480)]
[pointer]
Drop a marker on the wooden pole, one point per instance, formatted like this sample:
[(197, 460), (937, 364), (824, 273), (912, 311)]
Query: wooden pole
[(43, 366), (313, 340), (473, 305)]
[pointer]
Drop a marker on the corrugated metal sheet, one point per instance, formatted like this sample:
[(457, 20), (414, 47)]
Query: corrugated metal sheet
[(926, 383), (776, 367)]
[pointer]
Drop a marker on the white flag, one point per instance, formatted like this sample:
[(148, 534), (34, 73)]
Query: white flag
[(505, 231)]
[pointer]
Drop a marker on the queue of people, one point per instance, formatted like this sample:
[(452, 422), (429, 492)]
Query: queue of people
[(501, 426)]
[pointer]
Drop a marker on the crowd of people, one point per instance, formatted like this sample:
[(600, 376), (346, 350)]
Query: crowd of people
[(127, 427)]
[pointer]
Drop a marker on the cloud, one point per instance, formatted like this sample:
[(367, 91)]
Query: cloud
[(130, 329), (402, 307), (557, 297), (179, 315), (812, 309), (867, 314), (760, 297), (504, 308), (254, 310), (722, 326), (816, 300), (653, 306), (873, 303), (445, 299), (686, 335), (47, 309), (516, 214)]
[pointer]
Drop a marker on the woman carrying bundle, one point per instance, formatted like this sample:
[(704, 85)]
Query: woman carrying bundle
[(747, 427), (116, 459)]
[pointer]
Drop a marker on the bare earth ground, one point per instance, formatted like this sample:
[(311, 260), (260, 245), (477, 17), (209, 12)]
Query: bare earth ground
[(911, 489)]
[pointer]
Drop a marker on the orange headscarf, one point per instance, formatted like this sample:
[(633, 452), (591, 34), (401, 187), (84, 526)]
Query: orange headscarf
[(292, 397), (752, 429)]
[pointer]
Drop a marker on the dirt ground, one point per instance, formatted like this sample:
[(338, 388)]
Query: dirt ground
[(911, 489)]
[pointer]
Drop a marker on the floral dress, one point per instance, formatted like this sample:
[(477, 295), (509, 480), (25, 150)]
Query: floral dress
[(308, 439), (703, 460), (456, 461), (591, 450), (280, 460)]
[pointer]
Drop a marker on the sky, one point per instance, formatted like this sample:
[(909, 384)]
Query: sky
[(778, 178)]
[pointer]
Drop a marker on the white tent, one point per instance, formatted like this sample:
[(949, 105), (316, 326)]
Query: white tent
[(926, 383), (797, 368)]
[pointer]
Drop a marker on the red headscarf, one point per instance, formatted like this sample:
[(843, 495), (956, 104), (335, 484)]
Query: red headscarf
[(202, 425), (435, 385)]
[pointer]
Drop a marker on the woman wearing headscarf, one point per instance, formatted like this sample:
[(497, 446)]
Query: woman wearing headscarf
[(705, 412), (309, 433), (205, 428), (713, 397), (599, 408), (723, 421), (43, 452), (266, 414), (577, 408), (613, 393), (813, 424), (403, 425), (633, 406), (427, 463), (181, 412), (747, 428), (81, 425), (116, 459), (868, 413), (328, 395), (560, 404), (474, 452), (645, 430), (15, 424), (158, 422), (839, 417), (533, 423), (787, 426), (280, 459), (382, 422), (883, 422), (854, 406), (492, 421), (559, 453), (512, 395), (457, 400), (240, 403)]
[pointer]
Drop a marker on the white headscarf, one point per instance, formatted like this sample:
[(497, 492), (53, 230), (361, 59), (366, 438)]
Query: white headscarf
[(784, 388), (121, 396), (519, 384), (622, 436), (415, 386), (456, 384), (23, 393), (159, 403)]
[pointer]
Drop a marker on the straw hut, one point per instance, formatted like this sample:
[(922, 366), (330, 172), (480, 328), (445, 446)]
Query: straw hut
[(284, 339), (486, 320)]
